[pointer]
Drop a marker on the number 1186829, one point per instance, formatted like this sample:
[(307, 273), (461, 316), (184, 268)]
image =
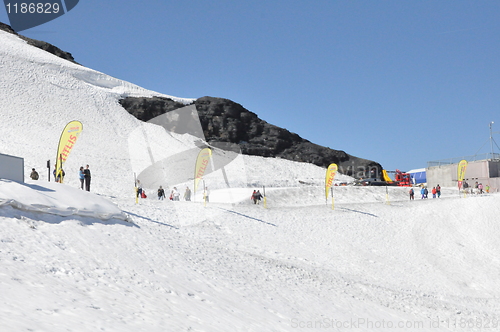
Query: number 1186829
[(32, 8)]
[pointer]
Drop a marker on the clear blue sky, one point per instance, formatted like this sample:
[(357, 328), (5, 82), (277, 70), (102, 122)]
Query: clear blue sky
[(398, 82)]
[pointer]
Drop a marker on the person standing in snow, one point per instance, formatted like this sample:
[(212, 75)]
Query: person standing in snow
[(161, 193), (187, 194), (422, 191), (87, 177), (81, 176), (412, 194), (426, 192), (465, 186), (438, 190), (206, 194), (176, 194), (139, 189), (34, 174), (480, 188), (256, 196), (60, 176), (434, 192)]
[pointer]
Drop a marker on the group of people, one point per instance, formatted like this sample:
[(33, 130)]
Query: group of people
[(174, 194), (436, 192), (256, 197), (83, 175), (477, 189)]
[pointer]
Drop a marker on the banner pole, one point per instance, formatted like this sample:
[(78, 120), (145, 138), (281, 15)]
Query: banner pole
[(61, 169), (265, 198), (136, 190), (204, 194), (333, 205)]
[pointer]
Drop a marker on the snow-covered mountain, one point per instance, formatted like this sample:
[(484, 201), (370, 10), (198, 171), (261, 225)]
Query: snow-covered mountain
[(78, 261)]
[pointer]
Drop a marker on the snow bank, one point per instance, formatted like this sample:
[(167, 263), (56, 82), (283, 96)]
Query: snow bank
[(56, 198)]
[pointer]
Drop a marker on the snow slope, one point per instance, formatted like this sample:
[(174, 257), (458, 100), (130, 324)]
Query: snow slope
[(78, 261)]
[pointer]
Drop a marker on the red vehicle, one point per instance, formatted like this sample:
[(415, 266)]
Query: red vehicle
[(403, 179)]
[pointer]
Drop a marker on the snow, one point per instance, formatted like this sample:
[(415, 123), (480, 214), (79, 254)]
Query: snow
[(79, 261)]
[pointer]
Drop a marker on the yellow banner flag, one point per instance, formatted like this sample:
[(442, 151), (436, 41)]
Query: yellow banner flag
[(201, 165), (66, 142), (330, 175), (462, 167)]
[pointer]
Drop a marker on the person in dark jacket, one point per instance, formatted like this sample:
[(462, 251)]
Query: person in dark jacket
[(161, 193), (256, 196), (87, 177), (34, 174), (58, 177), (187, 194)]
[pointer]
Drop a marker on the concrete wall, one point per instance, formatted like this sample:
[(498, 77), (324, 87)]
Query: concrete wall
[(11, 168), (442, 175)]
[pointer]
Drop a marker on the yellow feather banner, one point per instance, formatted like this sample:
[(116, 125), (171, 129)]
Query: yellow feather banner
[(330, 175), (462, 167), (201, 165), (66, 142)]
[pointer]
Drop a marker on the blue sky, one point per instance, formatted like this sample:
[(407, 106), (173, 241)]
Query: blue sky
[(398, 82)]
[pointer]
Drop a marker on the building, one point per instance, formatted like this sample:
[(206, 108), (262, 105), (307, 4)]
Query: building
[(485, 171)]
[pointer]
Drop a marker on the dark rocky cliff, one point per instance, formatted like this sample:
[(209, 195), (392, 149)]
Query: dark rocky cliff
[(223, 120), (40, 44)]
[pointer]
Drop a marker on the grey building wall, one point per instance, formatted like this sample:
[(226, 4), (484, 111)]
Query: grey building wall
[(442, 175), (11, 168)]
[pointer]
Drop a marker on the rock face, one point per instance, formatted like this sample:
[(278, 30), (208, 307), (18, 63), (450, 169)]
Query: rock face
[(224, 121), (40, 44)]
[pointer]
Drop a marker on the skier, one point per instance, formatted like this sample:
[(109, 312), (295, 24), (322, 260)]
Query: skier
[(34, 174), (422, 191), (412, 194), (434, 192), (161, 193), (438, 190)]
